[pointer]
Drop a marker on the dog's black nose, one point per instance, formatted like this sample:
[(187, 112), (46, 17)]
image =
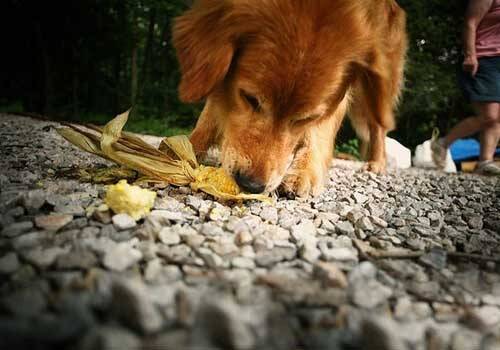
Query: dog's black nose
[(248, 184)]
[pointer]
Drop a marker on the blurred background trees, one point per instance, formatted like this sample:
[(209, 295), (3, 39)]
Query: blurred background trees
[(88, 60)]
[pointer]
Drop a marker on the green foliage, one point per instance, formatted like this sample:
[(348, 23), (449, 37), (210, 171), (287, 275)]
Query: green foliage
[(350, 147), (82, 60)]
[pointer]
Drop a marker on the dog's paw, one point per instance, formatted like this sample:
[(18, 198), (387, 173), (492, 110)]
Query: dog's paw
[(377, 167), (301, 185)]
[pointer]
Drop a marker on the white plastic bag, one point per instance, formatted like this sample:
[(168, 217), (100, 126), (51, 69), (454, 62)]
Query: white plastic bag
[(423, 158), (398, 156)]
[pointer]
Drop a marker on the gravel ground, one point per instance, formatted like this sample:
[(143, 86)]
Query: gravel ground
[(406, 260)]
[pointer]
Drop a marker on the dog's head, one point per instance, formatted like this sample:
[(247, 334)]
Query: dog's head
[(274, 68)]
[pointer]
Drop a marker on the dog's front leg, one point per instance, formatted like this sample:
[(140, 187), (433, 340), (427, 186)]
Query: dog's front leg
[(307, 173), (205, 133), (377, 160), (309, 170)]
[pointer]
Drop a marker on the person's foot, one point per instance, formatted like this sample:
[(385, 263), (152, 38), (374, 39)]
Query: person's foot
[(487, 167), (439, 150)]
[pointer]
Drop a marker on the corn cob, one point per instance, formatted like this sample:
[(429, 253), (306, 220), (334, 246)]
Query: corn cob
[(216, 177), (173, 163)]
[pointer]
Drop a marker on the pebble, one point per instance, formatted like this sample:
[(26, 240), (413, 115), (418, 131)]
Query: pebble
[(79, 259), (109, 338), (123, 222), (243, 263), (330, 275), (344, 228), (17, 229), (132, 305), (269, 214), (169, 236), (24, 303), (243, 238), (121, 257), (53, 222), (436, 258), (9, 263), (44, 257), (364, 224), (303, 231), (465, 339)]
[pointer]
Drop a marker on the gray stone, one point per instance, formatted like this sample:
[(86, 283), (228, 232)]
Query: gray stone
[(232, 327), (489, 315), (381, 223), (369, 293), (24, 303), (364, 224), (465, 339), (381, 333), (243, 263), (330, 275), (79, 259), (156, 273), (44, 257), (360, 198), (436, 258), (475, 222), (71, 208), (211, 229), (302, 231), (121, 257), (33, 201), (269, 214), (176, 254), (344, 228), (169, 236), (268, 257), (123, 222), (310, 252), (17, 229), (9, 263), (132, 306), (109, 338)]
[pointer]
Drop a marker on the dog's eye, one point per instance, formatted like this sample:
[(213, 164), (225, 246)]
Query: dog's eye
[(251, 100)]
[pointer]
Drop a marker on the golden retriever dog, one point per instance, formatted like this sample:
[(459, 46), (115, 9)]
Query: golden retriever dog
[(278, 77)]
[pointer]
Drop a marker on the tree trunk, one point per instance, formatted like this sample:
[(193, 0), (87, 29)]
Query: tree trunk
[(134, 76), (146, 66)]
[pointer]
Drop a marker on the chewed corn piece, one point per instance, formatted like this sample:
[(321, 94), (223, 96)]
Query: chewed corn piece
[(132, 200), (216, 177)]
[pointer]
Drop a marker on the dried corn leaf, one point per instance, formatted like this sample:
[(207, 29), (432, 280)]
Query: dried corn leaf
[(81, 141), (174, 162), (182, 148)]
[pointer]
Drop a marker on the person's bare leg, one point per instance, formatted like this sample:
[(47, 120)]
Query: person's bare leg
[(464, 128), (487, 114), (489, 141)]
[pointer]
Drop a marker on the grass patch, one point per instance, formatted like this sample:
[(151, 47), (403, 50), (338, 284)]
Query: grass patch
[(138, 124)]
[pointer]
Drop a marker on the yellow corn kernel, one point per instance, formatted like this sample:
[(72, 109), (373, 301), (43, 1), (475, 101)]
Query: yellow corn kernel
[(132, 200), (216, 177)]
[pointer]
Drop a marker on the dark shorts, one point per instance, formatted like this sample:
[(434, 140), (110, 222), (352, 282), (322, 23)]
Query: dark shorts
[(485, 85)]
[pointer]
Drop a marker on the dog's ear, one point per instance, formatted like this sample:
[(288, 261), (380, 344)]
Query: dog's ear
[(205, 47)]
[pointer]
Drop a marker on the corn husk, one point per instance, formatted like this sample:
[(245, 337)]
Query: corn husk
[(174, 162)]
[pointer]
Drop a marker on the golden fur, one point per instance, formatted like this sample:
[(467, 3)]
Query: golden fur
[(279, 76)]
